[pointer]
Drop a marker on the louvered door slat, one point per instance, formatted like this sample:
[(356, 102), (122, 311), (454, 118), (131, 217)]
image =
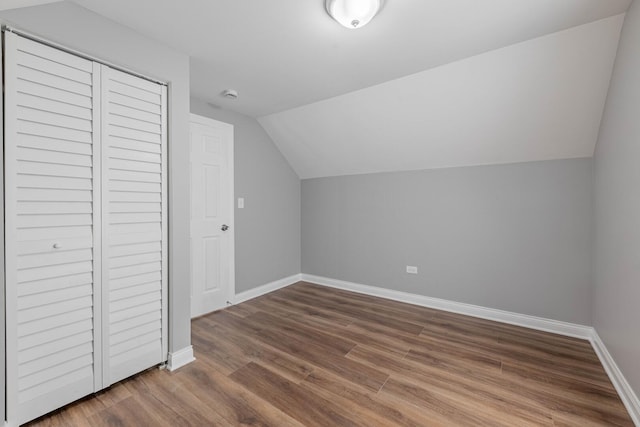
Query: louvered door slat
[(145, 147), (62, 117), (131, 154), (130, 260), (134, 238), (54, 258), (39, 221), (133, 207), (45, 337), (53, 182), (123, 325), (30, 60), (47, 156), (34, 208), (134, 270), (122, 175), (62, 195), (53, 131), (56, 309), (133, 89), (131, 111), (54, 94), (38, 103), (52, 234), (131, 281), (132, 291), (136, 187), (50, 79), (36, 287), (50, 228), (54, 55), (54, 359), (135, 221), (118, 99), (135, 312), (50, 169), (51, 144), (135, 135), (53, 322), (46, 298), (132, 196), (135, 248)]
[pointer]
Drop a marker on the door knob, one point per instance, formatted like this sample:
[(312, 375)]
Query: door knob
[(224, 227)]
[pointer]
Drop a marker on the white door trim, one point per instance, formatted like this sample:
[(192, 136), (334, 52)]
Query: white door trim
[(2, 254), (206, 121)]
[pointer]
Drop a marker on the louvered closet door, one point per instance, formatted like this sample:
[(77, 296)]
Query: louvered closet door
[(135, 223), (52, 207)]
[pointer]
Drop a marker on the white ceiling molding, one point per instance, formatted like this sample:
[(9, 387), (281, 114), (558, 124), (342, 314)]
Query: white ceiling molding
[(17, 4), (537, 100), (281, 54)]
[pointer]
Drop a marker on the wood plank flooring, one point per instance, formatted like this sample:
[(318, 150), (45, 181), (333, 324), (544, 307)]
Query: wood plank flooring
[(313, 356)]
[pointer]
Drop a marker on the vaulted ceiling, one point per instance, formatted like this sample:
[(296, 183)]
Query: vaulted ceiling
[(427, 84), (537, 100)]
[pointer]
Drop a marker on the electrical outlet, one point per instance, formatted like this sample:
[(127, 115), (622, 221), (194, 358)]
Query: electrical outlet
[(412, 270)]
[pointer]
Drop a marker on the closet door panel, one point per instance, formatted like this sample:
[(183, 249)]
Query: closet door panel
[(50, 228), (134, 237)]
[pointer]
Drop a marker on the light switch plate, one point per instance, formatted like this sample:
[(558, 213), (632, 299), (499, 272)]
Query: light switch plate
[(240, 202)]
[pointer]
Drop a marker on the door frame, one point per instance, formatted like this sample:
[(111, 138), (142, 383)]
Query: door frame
[(3, 389), (206, 121)]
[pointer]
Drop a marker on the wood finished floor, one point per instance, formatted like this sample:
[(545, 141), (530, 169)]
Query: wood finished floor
[(313, 356)]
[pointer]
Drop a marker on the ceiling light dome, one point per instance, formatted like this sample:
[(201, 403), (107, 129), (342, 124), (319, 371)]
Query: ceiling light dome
[(353, 13)]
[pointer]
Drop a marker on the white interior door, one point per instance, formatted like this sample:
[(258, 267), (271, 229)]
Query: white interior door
[(212, 233)]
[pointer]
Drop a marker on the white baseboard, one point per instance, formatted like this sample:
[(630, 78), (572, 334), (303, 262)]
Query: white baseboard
[(532, 322), (628, 396), (265, 289), (185, 356), (180, 358)]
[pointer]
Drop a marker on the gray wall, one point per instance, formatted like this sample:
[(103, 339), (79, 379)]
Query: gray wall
[(77, 28), (617, 200), (268, 228), (513, 237)]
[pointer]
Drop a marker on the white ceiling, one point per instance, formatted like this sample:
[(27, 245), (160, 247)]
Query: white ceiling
[(281, 54), (538, 100), (16, 4), (428, 84)]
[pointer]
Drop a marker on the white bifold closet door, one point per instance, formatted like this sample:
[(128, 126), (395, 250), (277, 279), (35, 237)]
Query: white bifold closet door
[(85, 226), (134, 223)]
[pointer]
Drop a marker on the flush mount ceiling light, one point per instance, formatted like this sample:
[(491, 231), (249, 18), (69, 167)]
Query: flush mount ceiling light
[(230, 94), (353, 13)]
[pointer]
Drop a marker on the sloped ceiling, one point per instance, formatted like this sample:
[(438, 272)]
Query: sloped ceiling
[(427, 84), (538, 100), (16, 4)]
